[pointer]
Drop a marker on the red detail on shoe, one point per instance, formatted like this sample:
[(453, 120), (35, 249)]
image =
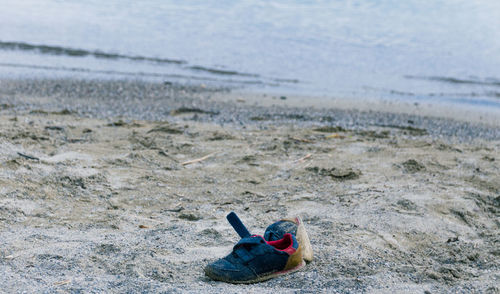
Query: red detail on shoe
[(284, 244)]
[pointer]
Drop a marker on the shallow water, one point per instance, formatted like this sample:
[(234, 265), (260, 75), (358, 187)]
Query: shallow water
[(446, 51)]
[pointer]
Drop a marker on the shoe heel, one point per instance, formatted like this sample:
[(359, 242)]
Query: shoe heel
[(303, 239)]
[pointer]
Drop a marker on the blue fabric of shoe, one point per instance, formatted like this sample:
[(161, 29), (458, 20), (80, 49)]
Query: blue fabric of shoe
[(277, 230)]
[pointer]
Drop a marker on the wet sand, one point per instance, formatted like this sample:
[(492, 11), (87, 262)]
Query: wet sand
[(124, 187)]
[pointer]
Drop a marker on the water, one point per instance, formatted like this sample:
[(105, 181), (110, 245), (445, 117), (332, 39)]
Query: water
[(412, 50)]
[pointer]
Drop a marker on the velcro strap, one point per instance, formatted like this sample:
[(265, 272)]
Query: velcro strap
[(249, 241), (244, 247), (238, 226), (243, 253)]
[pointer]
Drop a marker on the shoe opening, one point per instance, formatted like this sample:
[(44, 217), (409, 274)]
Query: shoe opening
[(286, 244)]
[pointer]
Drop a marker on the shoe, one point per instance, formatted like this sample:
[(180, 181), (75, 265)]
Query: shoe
[(254, 259), (293, 226)]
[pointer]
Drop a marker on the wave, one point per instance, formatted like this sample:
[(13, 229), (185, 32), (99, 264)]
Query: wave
[(139, 74), (57, 50), (450, 80), (74, 52), (222, 72)]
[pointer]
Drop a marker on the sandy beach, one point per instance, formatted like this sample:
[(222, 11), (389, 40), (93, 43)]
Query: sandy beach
[(123, 186)]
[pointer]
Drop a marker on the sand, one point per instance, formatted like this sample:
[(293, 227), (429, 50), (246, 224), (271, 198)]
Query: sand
[(95, 201)]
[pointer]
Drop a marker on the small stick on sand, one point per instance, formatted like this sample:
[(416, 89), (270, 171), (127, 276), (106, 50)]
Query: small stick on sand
[(62, 283), (198, 159), (302, 140), (304, 158), (335, 135)]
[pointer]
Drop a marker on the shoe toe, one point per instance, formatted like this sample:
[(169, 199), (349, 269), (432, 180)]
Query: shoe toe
[(224, 270)]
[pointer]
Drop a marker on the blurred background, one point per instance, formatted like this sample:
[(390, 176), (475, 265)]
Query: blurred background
[(446, 51)]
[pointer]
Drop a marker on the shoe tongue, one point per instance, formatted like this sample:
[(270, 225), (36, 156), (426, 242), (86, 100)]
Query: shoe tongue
[(238, 226), (277, 230)]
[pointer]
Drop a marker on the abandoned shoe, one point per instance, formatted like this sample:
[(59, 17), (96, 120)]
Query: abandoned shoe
[(254, 259), (293, 226)]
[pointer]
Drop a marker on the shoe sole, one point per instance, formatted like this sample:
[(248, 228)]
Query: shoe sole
[(265, 277)]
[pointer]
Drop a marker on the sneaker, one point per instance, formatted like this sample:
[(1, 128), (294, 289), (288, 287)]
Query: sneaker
[(293, 226), (254, 259)]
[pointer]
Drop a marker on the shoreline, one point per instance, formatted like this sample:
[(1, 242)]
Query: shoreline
[(124, 186), (479, 114), (132, 99)]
